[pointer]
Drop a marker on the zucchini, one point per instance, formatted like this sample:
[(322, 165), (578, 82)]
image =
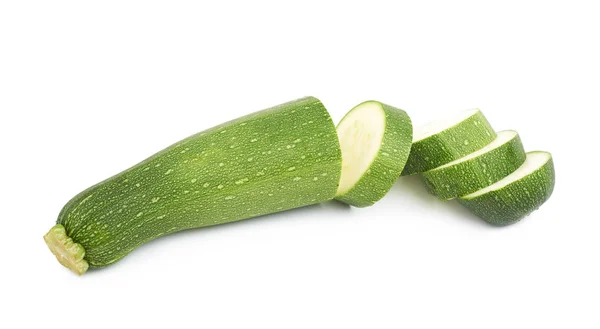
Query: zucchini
[(375, 139), (517, 195), (280, 158), (478, 169), (443, 141)]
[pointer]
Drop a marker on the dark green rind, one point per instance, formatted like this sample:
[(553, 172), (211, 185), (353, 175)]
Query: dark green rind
[(515, 201), (474, 174), (451, 144), (383, 172), (277, 159)]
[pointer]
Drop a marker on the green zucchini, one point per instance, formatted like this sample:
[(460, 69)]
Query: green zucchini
[(517, 195), (443, 141), (281, 158), (375, 139), (478, 169)]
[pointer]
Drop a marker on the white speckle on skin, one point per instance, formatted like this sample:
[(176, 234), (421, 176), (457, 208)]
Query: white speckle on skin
[(220, 186), (221, 164), (250, 159), (253, 140), (139, 214), (466, 142), (155, 199), (241, 181), (194, 180), (297, 140), (297, 179), (137, 185), (229, 197), (205, 185), (168, 171), (315, 178), (291, 168)]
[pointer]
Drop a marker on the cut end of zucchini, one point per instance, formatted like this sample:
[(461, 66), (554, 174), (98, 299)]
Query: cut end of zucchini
[(477, 170), (533, 162), (360, 134), (502, 138), (375, 140), (517, 195), (442, 141), (67, 252), (435, 127)]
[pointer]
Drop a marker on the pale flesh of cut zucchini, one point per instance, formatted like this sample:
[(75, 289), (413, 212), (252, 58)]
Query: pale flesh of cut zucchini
[(518, 194), (478, 169), (443, 141), (436, 127), (375, 140)]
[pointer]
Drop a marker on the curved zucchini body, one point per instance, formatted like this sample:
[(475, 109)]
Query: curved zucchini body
[(443, 141), (517, 195), (281, 158), (478, 169), (375, 139)]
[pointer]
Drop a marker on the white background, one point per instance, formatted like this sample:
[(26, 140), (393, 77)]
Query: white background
[(88, 89)]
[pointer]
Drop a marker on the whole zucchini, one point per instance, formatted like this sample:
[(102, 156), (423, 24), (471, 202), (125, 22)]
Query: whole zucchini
[(280, 158)]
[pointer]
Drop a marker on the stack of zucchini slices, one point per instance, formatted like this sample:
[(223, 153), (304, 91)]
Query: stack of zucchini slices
[(489, 172)]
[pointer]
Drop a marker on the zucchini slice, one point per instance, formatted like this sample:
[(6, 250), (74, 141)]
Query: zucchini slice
[(443, 141), (517, 195), (478, 169), (281, 158), (375, 139)]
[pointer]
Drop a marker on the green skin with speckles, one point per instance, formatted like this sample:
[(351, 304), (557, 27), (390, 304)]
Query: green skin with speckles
[(377, 181), (474, 174), (277, 159), (516, 200), (450, 144)]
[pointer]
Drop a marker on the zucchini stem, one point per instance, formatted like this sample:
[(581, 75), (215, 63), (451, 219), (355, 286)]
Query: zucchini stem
[(67, 252)]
